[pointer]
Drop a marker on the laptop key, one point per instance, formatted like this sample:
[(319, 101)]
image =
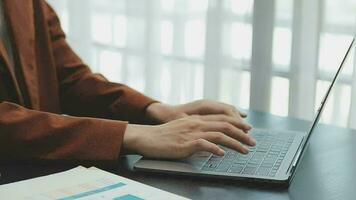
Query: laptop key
[(249, 170), (227, 162), (213, 158), (259, 154), (242, 162), (265, 149), (274, 153), (207, 168), (270, 160), (263, 171), (272, 174), (243, 158), (267, 165), (210, 166), (213, 163), (236, 168), (251, 164), (223, 168)]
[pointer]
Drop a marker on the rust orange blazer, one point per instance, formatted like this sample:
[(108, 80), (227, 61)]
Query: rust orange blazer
[(50, 80)]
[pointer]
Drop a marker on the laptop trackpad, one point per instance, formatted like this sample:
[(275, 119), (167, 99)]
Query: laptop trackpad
[(191, 164)]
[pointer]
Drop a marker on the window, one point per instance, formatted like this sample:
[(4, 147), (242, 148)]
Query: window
[(182, 50)]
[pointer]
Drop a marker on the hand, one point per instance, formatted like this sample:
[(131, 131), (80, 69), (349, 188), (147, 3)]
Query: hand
[(186, 136), (207, 107), (162, 113)]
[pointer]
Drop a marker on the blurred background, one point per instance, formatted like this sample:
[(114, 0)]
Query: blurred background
[(276, 56)]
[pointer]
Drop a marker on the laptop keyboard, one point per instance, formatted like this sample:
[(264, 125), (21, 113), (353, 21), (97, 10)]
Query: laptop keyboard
[(264, 159)]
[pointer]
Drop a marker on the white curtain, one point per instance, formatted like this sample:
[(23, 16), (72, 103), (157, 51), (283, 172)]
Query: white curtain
[(276, 56)]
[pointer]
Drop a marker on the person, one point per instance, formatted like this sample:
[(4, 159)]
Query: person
[(54, 108)]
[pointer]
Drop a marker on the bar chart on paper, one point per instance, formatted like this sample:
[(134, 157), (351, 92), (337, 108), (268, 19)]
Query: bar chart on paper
[(83, 184), (98, 189)]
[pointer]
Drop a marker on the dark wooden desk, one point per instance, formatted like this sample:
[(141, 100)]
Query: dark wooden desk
[(328, 171)]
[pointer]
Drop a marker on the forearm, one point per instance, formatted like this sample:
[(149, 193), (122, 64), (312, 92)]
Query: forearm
[(32, 135), (93, 96)]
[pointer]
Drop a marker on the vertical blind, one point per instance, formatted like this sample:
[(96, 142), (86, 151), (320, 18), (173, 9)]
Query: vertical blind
[(276, 56)]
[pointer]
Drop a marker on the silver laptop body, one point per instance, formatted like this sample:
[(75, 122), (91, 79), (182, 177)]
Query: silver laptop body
[(274, 159)]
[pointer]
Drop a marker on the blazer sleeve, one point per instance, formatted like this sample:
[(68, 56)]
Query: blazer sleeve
[(33, 135), (83, 93)]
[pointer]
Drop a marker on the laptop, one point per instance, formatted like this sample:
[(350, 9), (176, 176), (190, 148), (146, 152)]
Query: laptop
[(274, 159)]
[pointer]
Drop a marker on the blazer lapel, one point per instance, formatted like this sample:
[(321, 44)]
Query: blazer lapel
[(6, 62), (20, 16)]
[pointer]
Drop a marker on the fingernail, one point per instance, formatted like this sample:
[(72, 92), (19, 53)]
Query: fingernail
[(221, 152), (245, 150), (252, 141), (248, 127)]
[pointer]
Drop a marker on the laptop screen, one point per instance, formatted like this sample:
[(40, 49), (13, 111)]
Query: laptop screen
[(342, 74)]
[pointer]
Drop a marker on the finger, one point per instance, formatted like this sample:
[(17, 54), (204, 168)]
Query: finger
[(242, 114), (237, 111), (222, 139), (210, 107), (200, 144), (229, 110), (223, 118), (205, 107), (229, 130)]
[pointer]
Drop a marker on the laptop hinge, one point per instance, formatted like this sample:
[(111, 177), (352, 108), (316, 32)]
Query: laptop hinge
[(296, 157)]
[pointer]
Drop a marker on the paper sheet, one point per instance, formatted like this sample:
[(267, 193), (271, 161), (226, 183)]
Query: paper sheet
[(82, 183)]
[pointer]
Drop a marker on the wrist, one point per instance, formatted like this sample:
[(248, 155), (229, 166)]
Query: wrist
[(152, 111), (133, 136), (130, 139)]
